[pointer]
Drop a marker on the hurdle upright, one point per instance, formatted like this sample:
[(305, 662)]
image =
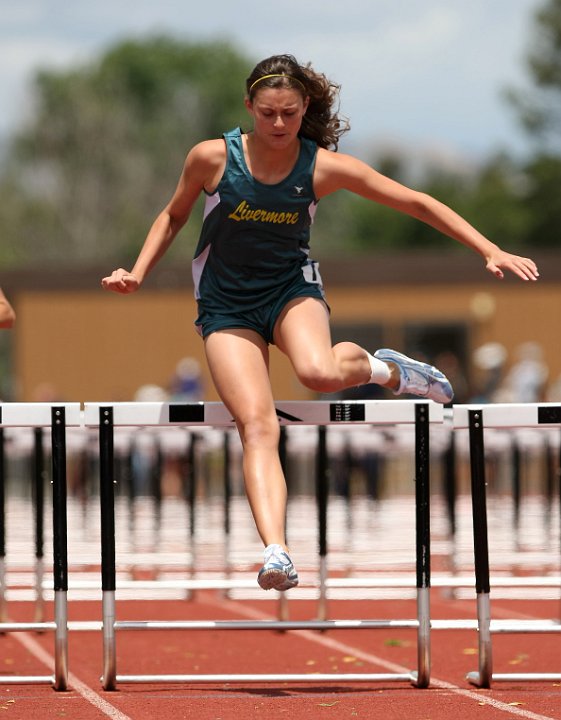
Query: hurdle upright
[(475, 419), (57, 417), (105, 417)]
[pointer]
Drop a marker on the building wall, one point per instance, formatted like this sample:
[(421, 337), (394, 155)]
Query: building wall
[(92, 346)]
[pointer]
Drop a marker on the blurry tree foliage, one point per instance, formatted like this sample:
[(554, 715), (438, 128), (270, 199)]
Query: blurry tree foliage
[(105, 147), (539, 111), (513, 201), (493, 199), (102, 153), (539, 107)]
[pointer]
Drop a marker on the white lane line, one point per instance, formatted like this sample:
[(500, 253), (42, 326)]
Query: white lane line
[(374, 659), (33, 647)]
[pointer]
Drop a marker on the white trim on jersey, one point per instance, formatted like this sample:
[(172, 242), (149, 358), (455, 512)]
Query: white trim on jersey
[(197, 267), (211, 201)]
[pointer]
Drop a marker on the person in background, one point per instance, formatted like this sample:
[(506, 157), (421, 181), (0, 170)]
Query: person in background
[(526, 380), (186, 384), (257, 285), (7, 314), (489, 361)]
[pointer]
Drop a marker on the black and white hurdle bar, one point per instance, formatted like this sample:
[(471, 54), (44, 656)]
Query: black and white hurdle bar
[(420, 414), (56, 417), (475, 419)]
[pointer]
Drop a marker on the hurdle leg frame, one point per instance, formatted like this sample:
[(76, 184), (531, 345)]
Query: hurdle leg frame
[(482, 677), (194, 440), (2, 527), (322, 492), (39, 507), (422, 509), (450, 497), (498, 416), (108, 572), (60, 547), (43, 415)]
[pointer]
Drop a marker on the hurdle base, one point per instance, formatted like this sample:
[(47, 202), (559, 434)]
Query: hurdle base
[(27, 680), (475, 678), (526, 677)]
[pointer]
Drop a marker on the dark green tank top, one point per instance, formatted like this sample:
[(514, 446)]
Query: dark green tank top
[(255, 237)]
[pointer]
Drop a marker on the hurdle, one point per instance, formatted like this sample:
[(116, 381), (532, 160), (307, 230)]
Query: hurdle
[(105, 417), (475, 419), (56, 417)]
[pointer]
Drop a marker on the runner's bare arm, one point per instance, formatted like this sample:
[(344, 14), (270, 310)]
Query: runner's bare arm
[(202, 169)]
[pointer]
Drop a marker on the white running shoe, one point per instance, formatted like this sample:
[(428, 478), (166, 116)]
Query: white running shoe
[(278, 572), (418, 378)]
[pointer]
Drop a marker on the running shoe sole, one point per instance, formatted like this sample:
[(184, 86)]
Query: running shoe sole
[(275, 579)]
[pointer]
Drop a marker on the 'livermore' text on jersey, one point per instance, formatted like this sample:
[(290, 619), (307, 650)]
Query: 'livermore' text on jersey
[(255, 237)]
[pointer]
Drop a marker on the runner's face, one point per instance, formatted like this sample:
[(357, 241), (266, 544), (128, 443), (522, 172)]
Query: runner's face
[(277, 115)]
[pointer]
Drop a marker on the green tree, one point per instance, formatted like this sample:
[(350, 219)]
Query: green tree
[(539, 107), (515, 202), (493, 198), (539, 111), (372, 227), (106, 145), (543, 176), (496, 202)]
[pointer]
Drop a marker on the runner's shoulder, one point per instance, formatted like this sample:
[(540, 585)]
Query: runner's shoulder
[(210, 153)]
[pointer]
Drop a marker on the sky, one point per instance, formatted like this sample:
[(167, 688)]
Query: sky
[(427, 75)]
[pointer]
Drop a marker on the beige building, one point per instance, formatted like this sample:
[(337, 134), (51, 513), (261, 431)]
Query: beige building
[(75, 342)]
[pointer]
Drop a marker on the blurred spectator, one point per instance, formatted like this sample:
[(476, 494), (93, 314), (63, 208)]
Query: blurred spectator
[(46, 392), (525, 381), (186, 384), (144, 451), (489, 361), (553, 393), (150, 393)]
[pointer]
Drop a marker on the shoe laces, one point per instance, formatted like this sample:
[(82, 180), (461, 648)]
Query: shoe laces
[(412, 377)]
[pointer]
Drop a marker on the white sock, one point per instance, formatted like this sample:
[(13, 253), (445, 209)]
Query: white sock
[(380, 370)]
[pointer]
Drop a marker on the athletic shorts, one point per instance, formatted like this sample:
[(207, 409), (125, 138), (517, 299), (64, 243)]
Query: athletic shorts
[(261, 319)]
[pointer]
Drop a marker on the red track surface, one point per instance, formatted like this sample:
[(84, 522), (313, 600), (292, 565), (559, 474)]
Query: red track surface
[(450, 696)]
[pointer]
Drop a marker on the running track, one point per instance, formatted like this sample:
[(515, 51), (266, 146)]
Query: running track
[(450, 696)]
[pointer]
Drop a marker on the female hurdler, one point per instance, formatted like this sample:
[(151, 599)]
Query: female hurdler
[(256, 284)]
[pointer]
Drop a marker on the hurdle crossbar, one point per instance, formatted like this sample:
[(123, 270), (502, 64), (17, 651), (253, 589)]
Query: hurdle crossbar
[(57, 417), (298, 412), (475, 418), (107, 416)]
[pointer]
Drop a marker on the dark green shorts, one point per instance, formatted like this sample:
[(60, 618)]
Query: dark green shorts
[(261, 319)]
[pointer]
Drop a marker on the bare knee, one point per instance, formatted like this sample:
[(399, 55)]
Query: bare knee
[(319, 378), (259, 430), (347, 366)]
